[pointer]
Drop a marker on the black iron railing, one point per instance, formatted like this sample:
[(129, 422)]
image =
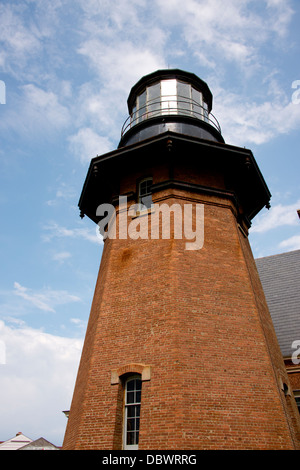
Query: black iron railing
[(167, 106)]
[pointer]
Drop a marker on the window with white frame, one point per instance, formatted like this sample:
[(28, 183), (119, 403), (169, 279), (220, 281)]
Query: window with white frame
[(145, 193), (132, 403)]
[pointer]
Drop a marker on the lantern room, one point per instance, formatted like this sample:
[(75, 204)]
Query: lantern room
[(170, 100)]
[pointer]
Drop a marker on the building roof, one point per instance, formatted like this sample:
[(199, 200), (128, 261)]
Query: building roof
[(19, 440), (279, 276), (39, 444)]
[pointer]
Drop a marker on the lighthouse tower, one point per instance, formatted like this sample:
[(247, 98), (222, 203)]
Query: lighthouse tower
[(180, 351)]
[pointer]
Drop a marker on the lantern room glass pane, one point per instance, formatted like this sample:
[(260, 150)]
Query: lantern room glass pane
[(153, 101), (168, 96), (205, 108), (133, 115), (197, 104), (184, 98), (141, 114)]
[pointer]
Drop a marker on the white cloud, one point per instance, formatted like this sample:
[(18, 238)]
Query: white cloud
[(244, 122), (54, 230), (48, 91), (292, 243), (36, 382), (19, 41), (102, 109), (281, 14), (129, 44), (121, 64), (87, 144), (35, 113), (277, 216), (235, 31), (44, 299), (61, 256), (79, 323), (123, 11), (44, 105), (237, 35), (63, 192), (26, 28)]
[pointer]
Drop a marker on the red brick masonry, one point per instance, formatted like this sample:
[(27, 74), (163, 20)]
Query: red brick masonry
[(199, 321)]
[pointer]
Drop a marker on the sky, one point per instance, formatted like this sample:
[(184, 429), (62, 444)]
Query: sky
[(66, 69)]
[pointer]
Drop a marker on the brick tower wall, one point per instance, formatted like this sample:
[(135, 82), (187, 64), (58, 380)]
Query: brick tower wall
[(196, 326)]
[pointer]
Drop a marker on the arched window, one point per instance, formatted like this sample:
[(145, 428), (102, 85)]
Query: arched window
[(132, 404), (145, 193)]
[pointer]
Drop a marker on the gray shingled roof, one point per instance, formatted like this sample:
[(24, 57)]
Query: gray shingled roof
[(280, 278)]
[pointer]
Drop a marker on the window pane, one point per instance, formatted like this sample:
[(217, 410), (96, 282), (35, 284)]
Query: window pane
[(168, 96), (145, 198), (145, 187), (131, 424), (130, 385), (130, 438), (138, 397), (168, 87), (133, 116), (205, 106), (142, 106), (184, 90), (184, 97), (130, 397), (196, 96), (297, 398), (132, 412), (197, 103), (153, 99), (138, 381)]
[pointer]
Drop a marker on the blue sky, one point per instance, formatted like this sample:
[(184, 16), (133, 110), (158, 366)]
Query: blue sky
[(68, 67)]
